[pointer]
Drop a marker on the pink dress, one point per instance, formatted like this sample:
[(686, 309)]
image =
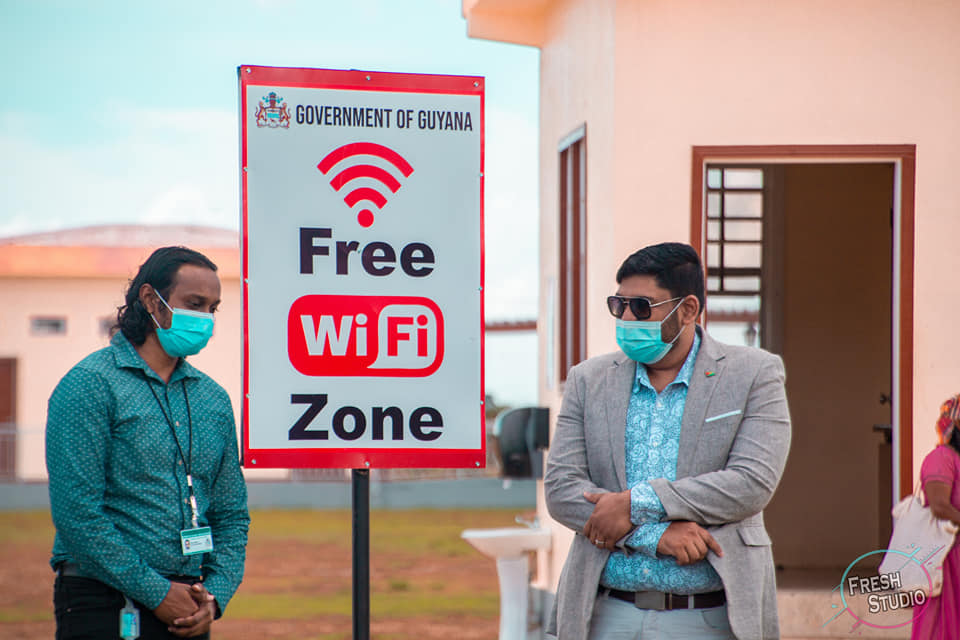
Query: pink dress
[(939, 617)]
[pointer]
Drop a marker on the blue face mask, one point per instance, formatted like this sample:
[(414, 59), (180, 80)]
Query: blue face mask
[(642, 341), (189, 331)]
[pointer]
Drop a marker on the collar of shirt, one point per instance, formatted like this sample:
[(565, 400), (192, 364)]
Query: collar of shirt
[(683, 376), (127, 358)]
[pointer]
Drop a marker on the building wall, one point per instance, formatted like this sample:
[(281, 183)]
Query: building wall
[(43, 359), (580, 42), (856, 72), (652, 79)]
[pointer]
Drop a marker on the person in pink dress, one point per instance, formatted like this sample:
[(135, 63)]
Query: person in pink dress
[(939, 617)]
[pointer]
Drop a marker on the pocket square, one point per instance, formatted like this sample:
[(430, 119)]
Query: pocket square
[(724, 415)]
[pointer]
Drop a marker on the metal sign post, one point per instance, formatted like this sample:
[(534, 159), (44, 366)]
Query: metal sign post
[(361, 554)]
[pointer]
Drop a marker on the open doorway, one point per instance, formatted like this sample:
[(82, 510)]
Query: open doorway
[(806, 259)]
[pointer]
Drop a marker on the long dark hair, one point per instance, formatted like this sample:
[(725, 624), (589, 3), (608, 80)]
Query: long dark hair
[(159, 271)]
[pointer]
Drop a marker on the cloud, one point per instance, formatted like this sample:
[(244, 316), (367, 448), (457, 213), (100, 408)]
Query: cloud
[(21, 224), (511, 216), (169, 166)]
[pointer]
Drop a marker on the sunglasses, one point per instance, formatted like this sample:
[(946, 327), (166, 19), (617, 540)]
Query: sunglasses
[(641, 308)]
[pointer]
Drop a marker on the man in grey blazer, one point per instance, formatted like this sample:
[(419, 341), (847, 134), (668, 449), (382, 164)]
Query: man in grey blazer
[(664, 456)]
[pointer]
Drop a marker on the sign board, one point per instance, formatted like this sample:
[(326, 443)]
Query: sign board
[(362, 234)]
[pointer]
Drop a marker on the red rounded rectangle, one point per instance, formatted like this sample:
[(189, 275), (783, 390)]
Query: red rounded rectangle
[(379, 336)]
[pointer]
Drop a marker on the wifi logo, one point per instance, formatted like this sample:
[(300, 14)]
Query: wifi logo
[(355, 169)]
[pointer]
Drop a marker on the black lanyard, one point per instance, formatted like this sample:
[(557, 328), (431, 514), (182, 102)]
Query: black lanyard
[(188, 459)]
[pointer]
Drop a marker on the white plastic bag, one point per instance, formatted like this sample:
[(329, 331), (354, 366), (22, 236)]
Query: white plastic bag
[(918, 546)]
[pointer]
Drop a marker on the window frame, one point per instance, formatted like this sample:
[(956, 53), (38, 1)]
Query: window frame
[(572, 246)]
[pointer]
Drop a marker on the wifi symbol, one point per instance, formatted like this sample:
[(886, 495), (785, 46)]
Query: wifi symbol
[(355, 171)]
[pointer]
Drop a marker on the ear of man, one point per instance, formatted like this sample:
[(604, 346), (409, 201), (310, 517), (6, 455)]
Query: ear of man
[(150, 300), (690, 309)]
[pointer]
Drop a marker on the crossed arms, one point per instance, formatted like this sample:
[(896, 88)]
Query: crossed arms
[(662, 515)]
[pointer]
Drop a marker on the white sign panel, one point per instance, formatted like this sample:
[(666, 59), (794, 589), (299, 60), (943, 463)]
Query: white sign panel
[(362, 237)]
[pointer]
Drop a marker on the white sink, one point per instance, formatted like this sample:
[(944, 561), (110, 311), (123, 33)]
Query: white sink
[(508, 542), (509, 547)]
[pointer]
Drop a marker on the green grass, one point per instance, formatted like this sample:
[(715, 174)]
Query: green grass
[(19, 527), (422, 531), (400, 542), (19, 615), (399, 585)]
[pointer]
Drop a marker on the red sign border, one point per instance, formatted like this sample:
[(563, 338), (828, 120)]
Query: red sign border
[(358, 458)]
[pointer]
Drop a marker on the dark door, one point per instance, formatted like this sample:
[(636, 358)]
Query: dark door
[(8, 418)]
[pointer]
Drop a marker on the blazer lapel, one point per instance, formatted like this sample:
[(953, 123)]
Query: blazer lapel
[(619, 385), (707, 373)]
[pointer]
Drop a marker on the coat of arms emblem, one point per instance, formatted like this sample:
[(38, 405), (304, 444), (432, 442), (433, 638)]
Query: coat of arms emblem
[(273, 112)]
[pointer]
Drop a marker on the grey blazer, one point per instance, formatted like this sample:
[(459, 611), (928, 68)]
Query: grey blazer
[(734, 440)]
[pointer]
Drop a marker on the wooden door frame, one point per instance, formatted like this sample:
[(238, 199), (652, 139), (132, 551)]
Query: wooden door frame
[(904, 159)]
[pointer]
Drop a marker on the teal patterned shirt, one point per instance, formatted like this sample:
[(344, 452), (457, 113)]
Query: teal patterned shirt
[(118, 485), (652, 446)]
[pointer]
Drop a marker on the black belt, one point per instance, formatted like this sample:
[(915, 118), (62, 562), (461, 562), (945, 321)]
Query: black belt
[(661, 601), (72, 569)]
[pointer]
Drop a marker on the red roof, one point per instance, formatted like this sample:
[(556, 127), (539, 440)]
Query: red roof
[(111, 251)]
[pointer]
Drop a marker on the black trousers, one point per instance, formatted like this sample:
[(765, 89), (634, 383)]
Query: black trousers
[(87, 609)]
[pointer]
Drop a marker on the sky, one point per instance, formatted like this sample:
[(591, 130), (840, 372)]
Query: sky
[(126, 112)]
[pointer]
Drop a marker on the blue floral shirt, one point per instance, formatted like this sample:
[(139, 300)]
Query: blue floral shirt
[(118, 485), (652, 446)]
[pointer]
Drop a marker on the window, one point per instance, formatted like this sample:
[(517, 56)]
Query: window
[(735, 224), (48, 325), (105, 324), (573, 251)]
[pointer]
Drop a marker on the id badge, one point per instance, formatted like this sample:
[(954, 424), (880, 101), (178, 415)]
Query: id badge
[(194, 541), (129, 621)]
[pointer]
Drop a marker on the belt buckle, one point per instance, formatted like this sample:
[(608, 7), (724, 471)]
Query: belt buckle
[(672, 602), (645, 600)]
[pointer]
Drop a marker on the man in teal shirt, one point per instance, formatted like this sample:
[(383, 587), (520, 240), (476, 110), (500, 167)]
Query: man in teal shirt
[(146, 491)]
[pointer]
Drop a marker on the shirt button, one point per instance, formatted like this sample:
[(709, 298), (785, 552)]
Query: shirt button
[(177, 423), (186, 501), (180, 462)]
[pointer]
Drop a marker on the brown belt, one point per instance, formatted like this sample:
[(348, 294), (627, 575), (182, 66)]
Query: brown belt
[(667, 601)]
